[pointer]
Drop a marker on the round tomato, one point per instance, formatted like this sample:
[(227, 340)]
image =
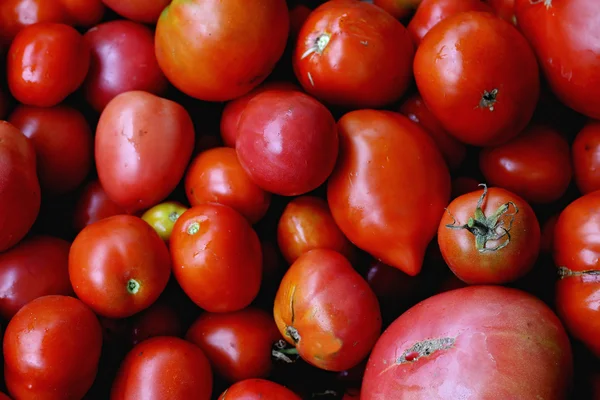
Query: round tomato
[(586, 158), (157, 320), (505, 9), (353, 54), (119, 266), (84, 12), (143, 145), (389, 188), (93, 205), (51, 349), (399, 9), (146, 11), (17, 14), (480, 103), (258, 389), (162, 217)]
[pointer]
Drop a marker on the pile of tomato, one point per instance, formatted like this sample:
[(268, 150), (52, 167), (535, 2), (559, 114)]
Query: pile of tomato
[(280, 200)]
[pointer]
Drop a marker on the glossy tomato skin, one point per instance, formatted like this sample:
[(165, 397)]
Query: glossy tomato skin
[(479, 104), (377, 203), (119, 266), (323, 283), (492, 342), (163, 368), (214, 276), (399, 9), (162, 217), (248, 37), (93, 205), (64, 338), (258, 389), (38, 80), (17, 14), (143, 145), (505, 9), (287, 142), (237, 344), (157, 320), (146, 11), (586, 158), (353, 54)]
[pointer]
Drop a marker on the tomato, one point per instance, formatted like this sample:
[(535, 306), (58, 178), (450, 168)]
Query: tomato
[(163, 368), (391, 214), (216, 257), (586, 158), (353, 54), (298, 16), (84, 12), (248, 37), (535, 165), (217, 176), (36, 79), (399, 9), (327, 310), (123, 59), (258, 389), (390, 285), (570, 56), (4, 397), (157, 320), (162, 217), (505, 9), (484, 342), (463, 185), (480, 104), (119, 266), (20, 196), (63, 143), (51, 349), (17, 14), (93, 205), (143, 145), (146, 11), (237, 344)]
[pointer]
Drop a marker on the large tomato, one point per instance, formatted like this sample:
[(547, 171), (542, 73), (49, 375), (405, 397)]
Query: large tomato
[(258, 389), (389, 188), (480, 342), (480, 103), (146, 11), (586, 158), (93, 205)]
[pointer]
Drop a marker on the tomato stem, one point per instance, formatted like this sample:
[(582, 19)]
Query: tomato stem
[(564, 272), (193, 228), (281, 351), (133, 286)]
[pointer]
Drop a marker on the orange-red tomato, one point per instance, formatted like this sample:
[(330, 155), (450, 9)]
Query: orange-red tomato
[(93, 205), (586, 158), (258, 389)]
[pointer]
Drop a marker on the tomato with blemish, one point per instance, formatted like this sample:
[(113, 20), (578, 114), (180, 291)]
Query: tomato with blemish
[(162, 217), (258, 389), (586, 157), (93, 205)]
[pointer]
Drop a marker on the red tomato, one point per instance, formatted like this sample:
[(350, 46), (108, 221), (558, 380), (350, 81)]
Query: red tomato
[(162, 218), (391, 214), (327, 310), (214, 276), (163, 368), (586, 158), (63, 143), (484, 342), (20, 197), (4, 397), (119, 266), (505, 9), (146, 11), (258, 389), (353, 54), (238, 344), (51, 349), (570, 56), (479, 103), (17, 14), (390, 285), (463, 185), (84, 12), (157, 320), (122, 60), (399, 9), (247, 36), (36, 79), (143, 145), (298, 16), (93, 205)]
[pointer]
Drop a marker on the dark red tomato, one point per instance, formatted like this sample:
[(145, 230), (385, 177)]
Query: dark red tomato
[(505, 9), (258, 389), (489, 237), (238, 344), (17, 14), (146, 11), (535, 165), (122, 60), (217, 176), (163, 368), (463, 185), (327, 310), (479, 103), (63, 144), (51, 349), (162, 218), (93, 205), (454, 151), (399, 9), (143, 145), (484, 342), (389, 284), (216, 257), (586, 158), (548, 229), (119, 266), (36, 79), (353, 54), (570, 57), (157, 320), (298, 16), (20, 196), (391, 215), (84, 13), (36, 267), (4, 397), (247, 36)]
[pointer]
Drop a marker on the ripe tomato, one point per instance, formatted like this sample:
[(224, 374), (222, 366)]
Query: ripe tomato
[(36, 79), (146, 11), (217, 176), (479, 103), (209, 271), (157, 320), (51, 349), (63, 144), (17, 14), (505, 9), (4, 397), (489, 237), (20, 196), (237, 344), (247, 36), (353, 54), (162, 217), (586, 158), (287, 142), (399, 9), (390, 214), (484, 342), (119, 266), (93, 205), (84, 13), (143, 145), (163, 368), (258, 389), (327, 310)]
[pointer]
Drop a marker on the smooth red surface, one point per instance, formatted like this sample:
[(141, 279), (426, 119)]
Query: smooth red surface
[(146, 11), (17, 14), (586, 158), (399, 9), (93, 205), (258, 389), (505, 9)]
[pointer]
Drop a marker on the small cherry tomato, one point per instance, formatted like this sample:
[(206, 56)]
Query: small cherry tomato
[(157, 320), (586, 158), (146, 11), (399, 9), (93, 205), (17, 14), (163, 216), (505, 9), (258, 389)]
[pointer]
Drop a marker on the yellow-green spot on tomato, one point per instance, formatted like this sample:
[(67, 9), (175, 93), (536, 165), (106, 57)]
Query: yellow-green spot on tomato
[(193, 228)]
